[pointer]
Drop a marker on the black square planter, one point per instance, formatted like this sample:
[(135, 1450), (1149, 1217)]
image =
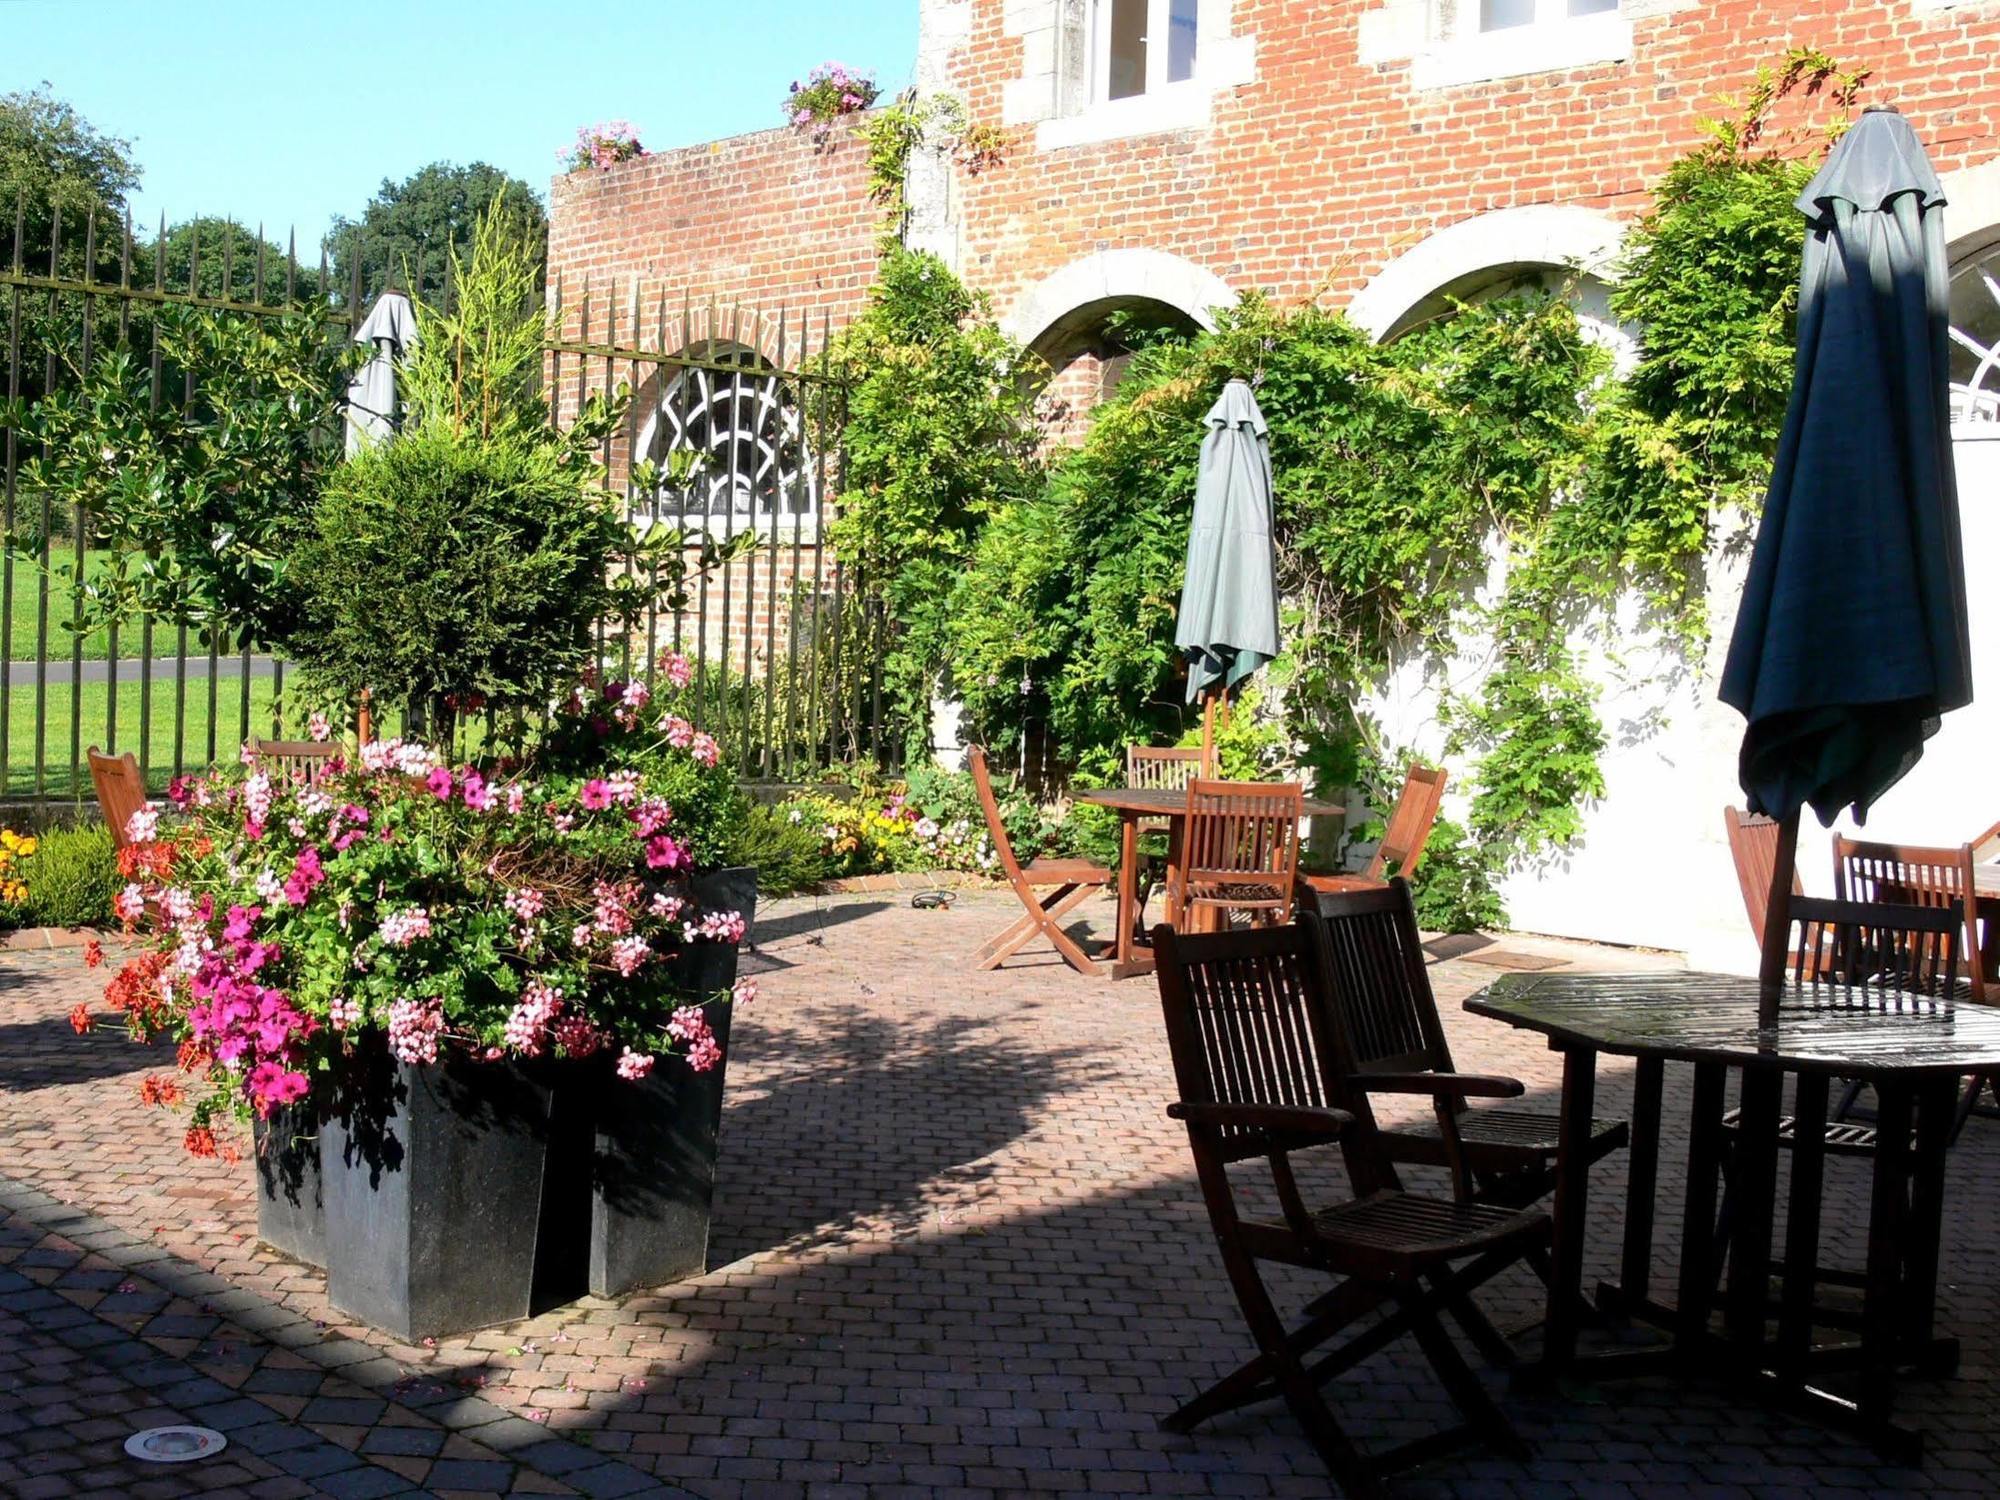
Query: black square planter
[(291, 1217)]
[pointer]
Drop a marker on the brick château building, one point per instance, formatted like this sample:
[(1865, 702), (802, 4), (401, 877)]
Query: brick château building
[(1380, 155)]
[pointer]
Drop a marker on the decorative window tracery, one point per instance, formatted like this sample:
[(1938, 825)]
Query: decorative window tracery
[(730, 439)]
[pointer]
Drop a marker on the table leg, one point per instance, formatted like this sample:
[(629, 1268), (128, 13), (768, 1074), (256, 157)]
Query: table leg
[(1937, 1105), (1698, 1269), (1128, 884), (1579, 1102), (1635, 1271), (1795, 1310), (1754, 1191), (1888, 1215)]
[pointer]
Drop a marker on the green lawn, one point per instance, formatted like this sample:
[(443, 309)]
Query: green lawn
[(22, 609), (94, 728)]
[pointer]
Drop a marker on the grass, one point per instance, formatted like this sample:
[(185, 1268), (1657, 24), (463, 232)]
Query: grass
[(23, 608), (93, 727)]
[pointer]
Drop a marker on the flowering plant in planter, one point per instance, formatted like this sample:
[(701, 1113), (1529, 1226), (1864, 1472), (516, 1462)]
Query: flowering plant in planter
[(602, 146), (506, 911), (829, 92)]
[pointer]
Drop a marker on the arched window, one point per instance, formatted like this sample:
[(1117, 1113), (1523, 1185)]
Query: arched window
[(1975, 347), (730, 439)]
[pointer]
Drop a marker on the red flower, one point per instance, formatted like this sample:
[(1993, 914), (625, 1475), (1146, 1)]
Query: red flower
[(199, 1141), (79, 1019), (156, 1090), (192, 1057), (93, 953)]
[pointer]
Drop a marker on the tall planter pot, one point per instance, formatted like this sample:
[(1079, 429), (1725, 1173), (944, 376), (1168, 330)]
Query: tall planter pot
[(433, 1180), (291, 1214), (657, 1140)]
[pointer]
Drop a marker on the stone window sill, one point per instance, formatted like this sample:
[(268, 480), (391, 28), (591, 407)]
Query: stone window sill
[(1522, 50), (1178, 106)]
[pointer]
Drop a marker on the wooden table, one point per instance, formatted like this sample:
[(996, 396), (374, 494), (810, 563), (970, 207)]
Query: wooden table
[(1912, 1052), (1134, 806)]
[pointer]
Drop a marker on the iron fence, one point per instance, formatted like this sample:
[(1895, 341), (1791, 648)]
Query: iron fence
[(734, 415)]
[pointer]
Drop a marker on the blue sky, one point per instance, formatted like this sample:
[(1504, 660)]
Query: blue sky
[(289, 113)]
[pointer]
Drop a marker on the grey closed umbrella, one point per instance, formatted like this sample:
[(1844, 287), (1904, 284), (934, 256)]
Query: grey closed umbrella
[(1851, 642), (1852, 639), (390, 331), (1228, 624)]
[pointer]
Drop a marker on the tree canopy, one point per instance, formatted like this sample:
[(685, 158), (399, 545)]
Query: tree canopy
[(406, 232)]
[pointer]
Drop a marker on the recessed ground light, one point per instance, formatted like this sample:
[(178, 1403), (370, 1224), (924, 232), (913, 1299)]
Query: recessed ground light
[(175, 1445)]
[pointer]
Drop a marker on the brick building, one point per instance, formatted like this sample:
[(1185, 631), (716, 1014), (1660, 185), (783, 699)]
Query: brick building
[(1379, 155)]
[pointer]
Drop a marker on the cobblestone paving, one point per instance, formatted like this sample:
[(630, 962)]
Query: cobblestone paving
[(958, 1251)]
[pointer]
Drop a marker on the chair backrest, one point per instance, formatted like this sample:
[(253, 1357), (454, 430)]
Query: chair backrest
[(1409, 827), (1151, 767), (121, 791), (1386, 1014), (1986, 848), (1248, 1023), (1242, 835), (1913, 875), (293, 758), (1893, 949), (1753, 844), (996, 830)]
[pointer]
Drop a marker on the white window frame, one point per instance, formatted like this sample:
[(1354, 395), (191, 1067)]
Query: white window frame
[(1159, 27), (1555, 41)]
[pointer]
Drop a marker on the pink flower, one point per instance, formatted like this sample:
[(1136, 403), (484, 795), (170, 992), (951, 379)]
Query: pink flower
[(540, 1003), (652, 815), (414, 1029), (517, 797), (344, 1013), (596, 794), (439, 782), (478, 795), (629, 955), (319, 728), (704, 749), (141, 827), (663, 852), (745, 991), (129, 904), (272, 1083), (577, 1037), (402, 928), (632, 1066), (676, 669), (666, 907), (306, 877), (680, 733)]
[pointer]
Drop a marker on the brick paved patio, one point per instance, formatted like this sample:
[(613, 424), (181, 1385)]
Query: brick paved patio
[(958, 1249)]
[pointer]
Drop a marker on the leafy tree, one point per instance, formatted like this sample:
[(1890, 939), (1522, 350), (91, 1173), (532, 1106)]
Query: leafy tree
[(406, 233), (53, 159), (212, 257)]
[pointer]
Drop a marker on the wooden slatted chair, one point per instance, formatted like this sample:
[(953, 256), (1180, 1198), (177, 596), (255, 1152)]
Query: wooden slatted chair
[(121, 790), (1387, 1023), (1403, 840), (1859, 955), (1753, 845), (1075, 881), (1239, 853), (1247, 1022), (1986, 848), (1150, 767), (1921, 876), (295, 759)]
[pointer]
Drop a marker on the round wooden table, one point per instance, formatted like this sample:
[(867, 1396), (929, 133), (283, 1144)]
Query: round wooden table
[(1134, 805)]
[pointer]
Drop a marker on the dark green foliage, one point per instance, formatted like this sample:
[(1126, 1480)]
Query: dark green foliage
[(939, 439), (54, 160), (443, 566), (71, 879), (406, 232), (1453, 886), (221, 258), (788, 856)]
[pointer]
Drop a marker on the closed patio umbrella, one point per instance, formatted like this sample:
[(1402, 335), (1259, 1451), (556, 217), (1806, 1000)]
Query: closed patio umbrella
[(1852, 642), (1228, 624), (390, 331)]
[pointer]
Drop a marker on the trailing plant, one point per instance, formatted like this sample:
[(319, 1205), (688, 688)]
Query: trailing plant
[(602, 146), (939, 438), (916, 120), (829, 93)]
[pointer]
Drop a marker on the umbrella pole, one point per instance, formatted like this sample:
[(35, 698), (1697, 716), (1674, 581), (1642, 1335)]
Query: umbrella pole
[(1208, 734), (1778, 921)]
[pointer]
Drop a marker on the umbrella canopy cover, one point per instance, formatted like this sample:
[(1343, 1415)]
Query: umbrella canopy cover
[(390, 330), (1229, 604), (1852, 639)]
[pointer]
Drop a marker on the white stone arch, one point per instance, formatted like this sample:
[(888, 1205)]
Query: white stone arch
[(1085, 291), (1463, 257), (1972, 210), (1972, 217)]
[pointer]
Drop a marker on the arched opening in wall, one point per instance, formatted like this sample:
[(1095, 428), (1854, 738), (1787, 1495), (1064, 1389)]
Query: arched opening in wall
[(1588, 294), (1087, 351), (728, 434), (1975, 346)]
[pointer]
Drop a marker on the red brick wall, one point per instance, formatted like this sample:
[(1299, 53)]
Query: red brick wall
[(1317, 173), (759, 220)]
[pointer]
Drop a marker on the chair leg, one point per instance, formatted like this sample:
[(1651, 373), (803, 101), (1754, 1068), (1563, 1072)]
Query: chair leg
[(1041, 918), (1458, 1377), (1003, 945)]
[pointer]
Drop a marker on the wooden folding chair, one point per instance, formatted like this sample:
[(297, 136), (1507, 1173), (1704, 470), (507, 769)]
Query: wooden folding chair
[(1247, 1019), (1163, 769), (1387, 1023), (1403, 840), (1239, 853), (1075, 881), (1753, 846), (121, 791), (293, 759)]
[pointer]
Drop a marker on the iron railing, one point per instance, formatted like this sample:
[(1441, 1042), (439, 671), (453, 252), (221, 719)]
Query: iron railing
[(740, 414)]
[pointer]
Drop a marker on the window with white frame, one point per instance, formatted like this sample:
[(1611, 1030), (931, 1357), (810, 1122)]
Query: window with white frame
[(1975, 348), (1478, 40), (1141, 46), (1505, 15)]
